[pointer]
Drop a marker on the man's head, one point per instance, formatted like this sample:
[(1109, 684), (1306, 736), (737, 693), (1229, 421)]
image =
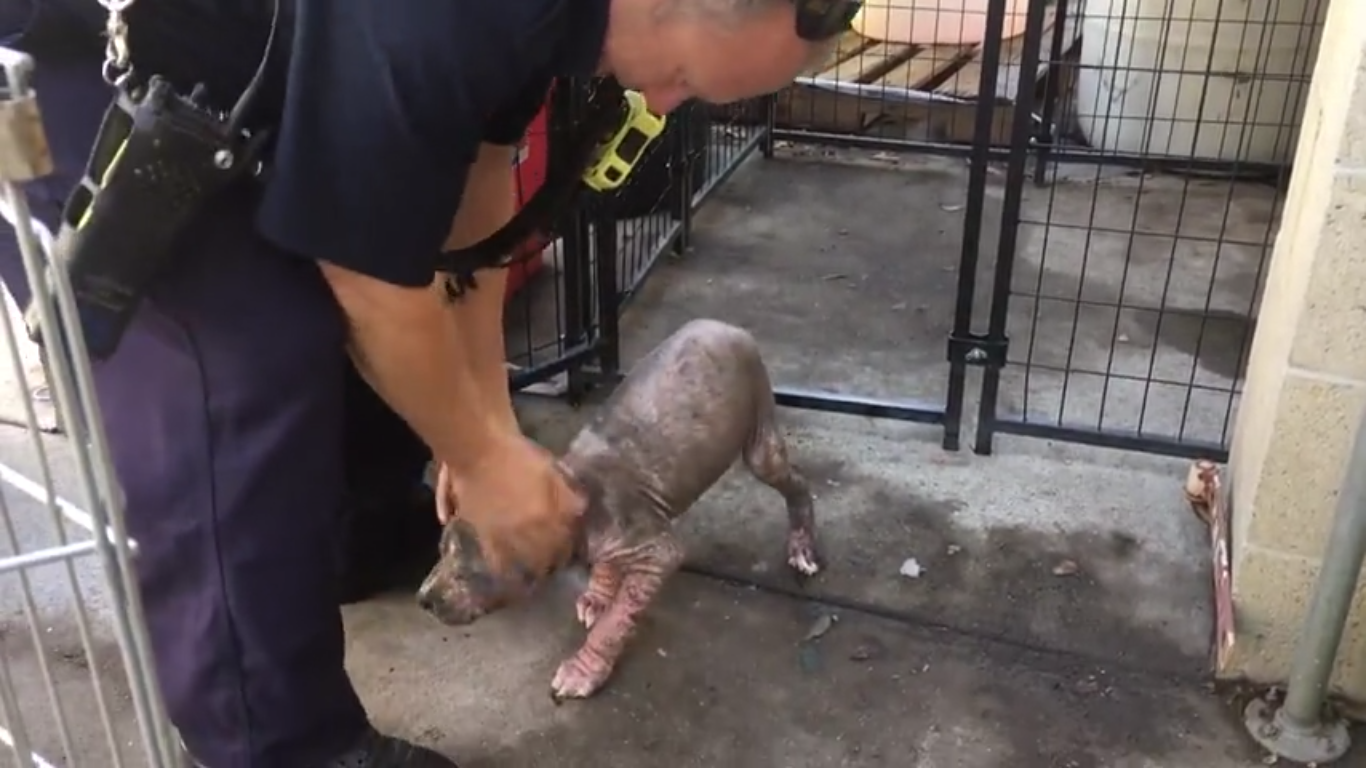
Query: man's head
[(718, 51)]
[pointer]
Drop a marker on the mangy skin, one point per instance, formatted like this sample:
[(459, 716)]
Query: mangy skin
[(668, 433)]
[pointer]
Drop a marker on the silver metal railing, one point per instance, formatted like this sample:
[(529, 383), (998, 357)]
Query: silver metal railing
[(77, 684)]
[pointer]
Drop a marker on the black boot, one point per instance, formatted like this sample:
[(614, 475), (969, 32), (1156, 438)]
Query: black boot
[(379, 751), (375, 750)]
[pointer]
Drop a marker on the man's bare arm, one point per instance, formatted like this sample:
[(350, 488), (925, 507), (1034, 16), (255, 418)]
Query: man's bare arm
[(440, 365), (487, 204), (408, 350)]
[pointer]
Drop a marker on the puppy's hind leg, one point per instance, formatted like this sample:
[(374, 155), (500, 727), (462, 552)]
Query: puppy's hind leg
[(766, 458)]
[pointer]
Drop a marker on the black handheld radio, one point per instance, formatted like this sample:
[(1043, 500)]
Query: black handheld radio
[(159, 159)]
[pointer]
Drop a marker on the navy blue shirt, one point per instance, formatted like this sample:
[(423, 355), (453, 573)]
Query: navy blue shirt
[(386, 106), (381, 104)]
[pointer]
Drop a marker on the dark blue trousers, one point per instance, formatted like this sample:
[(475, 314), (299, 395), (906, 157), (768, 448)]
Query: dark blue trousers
[(225, 410)]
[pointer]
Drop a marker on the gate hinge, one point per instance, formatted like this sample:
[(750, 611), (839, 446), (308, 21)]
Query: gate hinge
[(972, 349)]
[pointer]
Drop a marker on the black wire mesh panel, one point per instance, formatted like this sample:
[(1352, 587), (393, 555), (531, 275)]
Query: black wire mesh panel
[(883, 250), (701, 146), (1130, 277), (550, 327), (561, 324), (623, 236)]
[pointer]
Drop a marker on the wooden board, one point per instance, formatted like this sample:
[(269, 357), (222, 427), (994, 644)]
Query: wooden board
[(855, 60), (950, 71)]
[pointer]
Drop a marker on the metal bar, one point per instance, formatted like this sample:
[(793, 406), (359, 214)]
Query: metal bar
[(32, 613), (1010, 218), (13, 716), (572, 357), (68, 510), (680, 192), (45, 556), (972, 222), (855, 405), (1060, 153), (71, 389), (1112, 438), (879, 143), (849, 405), (1317, 648), (609, 294), (574, 263), (58, 510), (770, 129), (1052, 92)]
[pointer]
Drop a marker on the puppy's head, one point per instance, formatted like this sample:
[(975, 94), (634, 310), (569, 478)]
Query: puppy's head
[(462, 586)]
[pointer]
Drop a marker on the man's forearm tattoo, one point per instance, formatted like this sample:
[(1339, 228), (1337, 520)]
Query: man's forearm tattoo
[(458, 284)]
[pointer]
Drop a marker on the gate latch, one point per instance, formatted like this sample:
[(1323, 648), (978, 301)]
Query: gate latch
[(978, 350)]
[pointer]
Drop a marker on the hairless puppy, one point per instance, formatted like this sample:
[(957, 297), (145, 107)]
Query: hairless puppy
[(668, 433)]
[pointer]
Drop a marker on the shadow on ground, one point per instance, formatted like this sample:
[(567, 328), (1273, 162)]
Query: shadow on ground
[(721, 676)]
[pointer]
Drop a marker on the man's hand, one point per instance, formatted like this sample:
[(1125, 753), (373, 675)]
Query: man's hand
[(440, 366), (521, 506), (514, 479), (408, 350)]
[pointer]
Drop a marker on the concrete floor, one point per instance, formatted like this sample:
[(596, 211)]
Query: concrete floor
[(1062, 616)]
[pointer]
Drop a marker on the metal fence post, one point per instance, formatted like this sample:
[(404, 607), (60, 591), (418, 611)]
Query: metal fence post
[(680, 172), (1299, 729), (965, 347), (1046, 132), (608, 288), (769, 110), (566, 108), (991, 350)]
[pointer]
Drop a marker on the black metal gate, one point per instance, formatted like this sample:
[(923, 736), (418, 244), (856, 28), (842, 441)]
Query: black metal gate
[(1034, 340), (1140, 340)]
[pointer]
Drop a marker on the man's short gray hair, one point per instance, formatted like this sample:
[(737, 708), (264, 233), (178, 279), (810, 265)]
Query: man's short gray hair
[(738, 9)]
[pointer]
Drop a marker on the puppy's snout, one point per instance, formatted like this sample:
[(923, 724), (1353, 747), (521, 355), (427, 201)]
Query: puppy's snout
[(448, 602), (425, 601), (429, 597)]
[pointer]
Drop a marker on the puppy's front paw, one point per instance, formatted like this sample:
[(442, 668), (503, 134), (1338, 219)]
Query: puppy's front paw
[(578, 678)]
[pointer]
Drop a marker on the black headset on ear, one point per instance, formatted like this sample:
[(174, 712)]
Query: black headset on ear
[(821, 20)]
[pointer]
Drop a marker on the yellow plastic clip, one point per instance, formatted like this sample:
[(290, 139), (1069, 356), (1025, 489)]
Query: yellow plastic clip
[(104, 182), (617, 156)]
